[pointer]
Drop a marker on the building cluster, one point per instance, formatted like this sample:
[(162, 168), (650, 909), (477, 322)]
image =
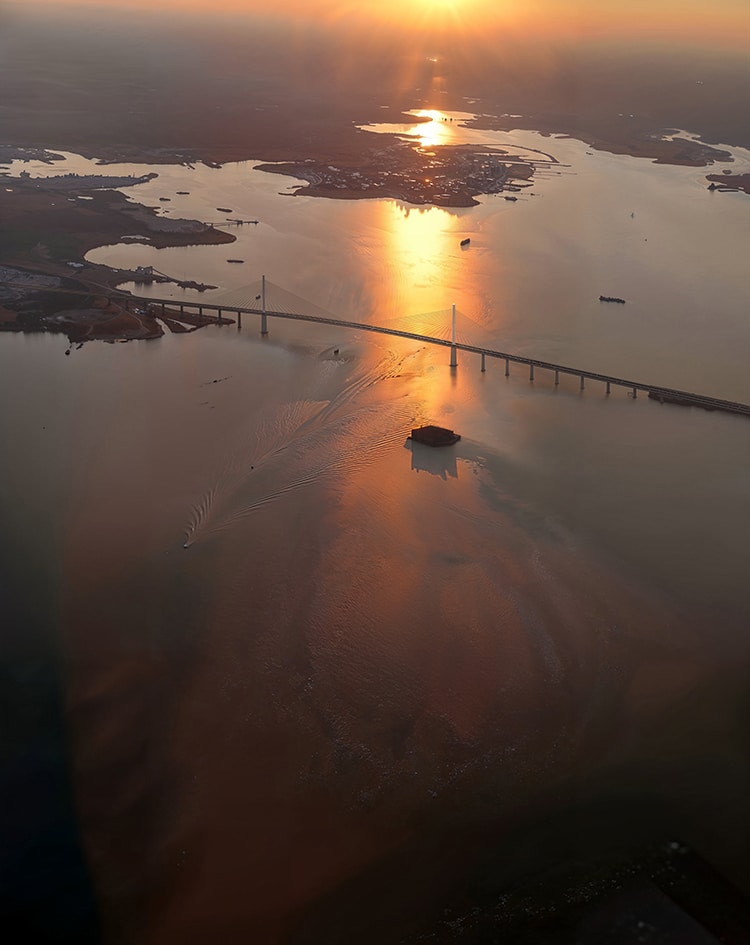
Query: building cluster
[(447, 175)]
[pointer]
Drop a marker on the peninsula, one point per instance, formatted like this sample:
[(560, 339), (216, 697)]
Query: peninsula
[(48, 227)]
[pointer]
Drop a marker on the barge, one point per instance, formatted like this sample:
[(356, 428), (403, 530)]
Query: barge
[(432, 435)]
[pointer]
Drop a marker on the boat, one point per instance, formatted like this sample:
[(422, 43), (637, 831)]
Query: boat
[(466, 241), (236, 260), (431, 435), (611, 298)]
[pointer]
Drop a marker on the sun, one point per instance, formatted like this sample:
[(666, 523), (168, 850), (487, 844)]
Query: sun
[(441, 6), (440, 11)]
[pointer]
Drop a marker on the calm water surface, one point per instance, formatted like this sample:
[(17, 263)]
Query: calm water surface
[(369, 651)]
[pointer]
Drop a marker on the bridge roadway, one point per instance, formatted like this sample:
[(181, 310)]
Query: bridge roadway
[(667, 394)]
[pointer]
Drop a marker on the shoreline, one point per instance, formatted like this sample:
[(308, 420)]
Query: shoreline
[(49, 285), (70, 216)]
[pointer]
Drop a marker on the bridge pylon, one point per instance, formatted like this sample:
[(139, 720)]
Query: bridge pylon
[(263, 317), (454, 349)]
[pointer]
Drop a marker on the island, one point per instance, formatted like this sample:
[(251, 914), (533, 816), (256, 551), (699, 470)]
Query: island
[(730, 183), (440, 175)]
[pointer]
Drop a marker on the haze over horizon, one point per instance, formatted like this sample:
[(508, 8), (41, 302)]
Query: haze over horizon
[(725, 24), (88, 73)]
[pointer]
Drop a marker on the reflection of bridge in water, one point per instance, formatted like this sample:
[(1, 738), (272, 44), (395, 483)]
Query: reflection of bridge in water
[(255, 300)]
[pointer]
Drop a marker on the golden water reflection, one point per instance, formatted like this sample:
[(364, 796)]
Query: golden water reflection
[(438, 130), (419, 255), (423, 269)]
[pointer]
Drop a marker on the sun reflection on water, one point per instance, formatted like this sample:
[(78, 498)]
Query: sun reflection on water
[(418, 250), (434, 132)]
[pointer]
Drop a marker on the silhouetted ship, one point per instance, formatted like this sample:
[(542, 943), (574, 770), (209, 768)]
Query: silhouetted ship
[(434, 436), (611, 298), (236, 260), (466, 241)]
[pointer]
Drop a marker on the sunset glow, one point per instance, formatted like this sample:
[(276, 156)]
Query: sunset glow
[(434, 132), (726, 22)]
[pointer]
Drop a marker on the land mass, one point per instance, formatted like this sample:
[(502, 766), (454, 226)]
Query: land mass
[(442, 175), (202, 92), (46, 283), (729, 182)]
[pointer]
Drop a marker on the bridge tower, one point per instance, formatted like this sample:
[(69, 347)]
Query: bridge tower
[(263, 317), (454, 350)]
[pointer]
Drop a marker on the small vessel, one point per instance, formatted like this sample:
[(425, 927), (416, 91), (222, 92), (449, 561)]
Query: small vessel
[(466, 241), (611, 298), (235, 260), (432, 435), (224, 209)]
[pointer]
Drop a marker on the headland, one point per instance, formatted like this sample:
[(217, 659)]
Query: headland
[(48, 227)]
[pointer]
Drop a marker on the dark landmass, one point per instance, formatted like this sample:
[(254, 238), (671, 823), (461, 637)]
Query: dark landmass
[(261, 90), (729, 182), (442, 175), (626, 135), (43, 241), (95, 83), (39, 220), (86, 307)]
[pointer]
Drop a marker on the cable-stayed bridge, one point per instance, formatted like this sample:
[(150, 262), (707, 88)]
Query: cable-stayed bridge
[(267, 300)]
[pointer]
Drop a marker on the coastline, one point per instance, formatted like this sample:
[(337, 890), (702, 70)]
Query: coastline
[(49, 285), (52, 223)]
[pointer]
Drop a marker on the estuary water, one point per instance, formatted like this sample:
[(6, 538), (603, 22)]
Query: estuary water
[(313, 675)]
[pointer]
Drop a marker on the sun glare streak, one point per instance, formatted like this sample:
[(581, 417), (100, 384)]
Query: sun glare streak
[(431, 133), (723, 23), (417, 250)]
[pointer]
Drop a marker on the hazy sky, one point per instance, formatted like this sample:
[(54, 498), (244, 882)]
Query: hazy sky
[(718, 22)]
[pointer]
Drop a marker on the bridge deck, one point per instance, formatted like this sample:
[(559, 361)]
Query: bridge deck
[(687, 397)]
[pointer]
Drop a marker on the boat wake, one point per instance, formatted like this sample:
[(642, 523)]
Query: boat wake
[(301, 443)]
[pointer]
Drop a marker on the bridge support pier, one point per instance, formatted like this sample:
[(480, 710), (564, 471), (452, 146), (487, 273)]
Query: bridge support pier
[(609, 387), (454, 356), (163, 309), (635, 392), (182, 308), (264, 324), (531, 372), (483, 367), (582, 381), (239, 321), (557, 378), (507, 367)]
